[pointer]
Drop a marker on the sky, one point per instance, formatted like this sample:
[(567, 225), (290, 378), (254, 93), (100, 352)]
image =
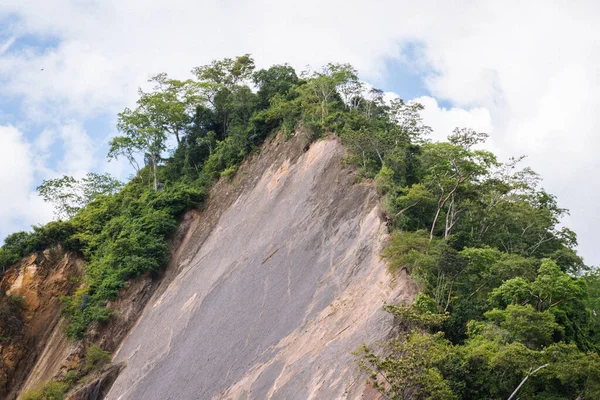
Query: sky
[(524, 72)]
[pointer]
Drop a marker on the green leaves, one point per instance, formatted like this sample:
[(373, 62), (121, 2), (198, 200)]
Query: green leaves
[(526, 325), (409, 367), (69, 195), (413, 251), (168, 109), (422, 316), (551, 288), (322, 98), (144, 134), (123, 236), (513, 291), (227, 72), (278, 80)]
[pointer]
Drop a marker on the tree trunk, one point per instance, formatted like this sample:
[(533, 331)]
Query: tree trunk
[(448, 218), (452, 217), (154, 162), (442, 202), (525, 380), (406, 208), (437, 215)]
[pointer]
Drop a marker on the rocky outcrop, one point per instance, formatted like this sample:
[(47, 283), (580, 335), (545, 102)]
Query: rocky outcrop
[(30, 307), (277, 282), (269, 290), (98, 387), (55, 355)]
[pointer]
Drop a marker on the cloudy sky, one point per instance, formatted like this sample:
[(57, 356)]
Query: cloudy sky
[(525, 73)]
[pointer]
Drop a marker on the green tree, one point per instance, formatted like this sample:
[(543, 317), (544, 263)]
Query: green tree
[(324, 92), (451, 166), (526, 325), (219, 81), (592, 303), (143, 134), (69, 195), (16, 246), (408, 367), (550, 288), (227, 72), (277, 80), (172, 103)]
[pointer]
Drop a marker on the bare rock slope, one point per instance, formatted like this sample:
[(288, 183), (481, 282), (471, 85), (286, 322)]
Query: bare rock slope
[(276, 283)]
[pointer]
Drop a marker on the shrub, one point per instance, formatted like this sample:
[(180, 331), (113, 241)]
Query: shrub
[(50, 391), (95, 357), (72, 377)]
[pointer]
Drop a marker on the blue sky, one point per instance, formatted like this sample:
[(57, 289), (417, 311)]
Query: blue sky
[(451, 58)]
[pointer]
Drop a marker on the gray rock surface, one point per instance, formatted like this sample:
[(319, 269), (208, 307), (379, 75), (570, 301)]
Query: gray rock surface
[(278, 281), (98, 387)]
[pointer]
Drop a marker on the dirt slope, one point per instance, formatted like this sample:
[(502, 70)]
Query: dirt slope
[(278, 280)]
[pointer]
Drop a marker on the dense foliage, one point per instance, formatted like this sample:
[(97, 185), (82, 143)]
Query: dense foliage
[(502, 291), (504, 295)]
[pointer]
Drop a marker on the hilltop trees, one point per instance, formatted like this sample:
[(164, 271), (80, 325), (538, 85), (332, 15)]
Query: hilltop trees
[(221, 84), (143, 134), (326, 93), (487, 252), (409, 368), (448, 168), (279, 80), (167, 109)]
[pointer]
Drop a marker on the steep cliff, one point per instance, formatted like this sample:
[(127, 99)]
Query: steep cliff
[(270, 289), (30, 313), (36, 350), (278, 282)]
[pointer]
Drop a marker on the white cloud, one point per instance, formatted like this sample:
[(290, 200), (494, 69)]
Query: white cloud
[(19, 204), (78, 154), (444, 120), (24, 164), (526, 72)]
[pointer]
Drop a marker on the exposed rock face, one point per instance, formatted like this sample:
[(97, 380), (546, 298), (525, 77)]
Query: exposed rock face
[(98, 387), (60, 355), (276, 282), (36, 283), (54, 355), (269, 291)]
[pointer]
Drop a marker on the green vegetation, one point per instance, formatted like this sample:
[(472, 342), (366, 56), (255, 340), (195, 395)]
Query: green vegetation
[(505, 300), (20, 244), (49, 391), (95, 358), (69, 195), (501, 287)]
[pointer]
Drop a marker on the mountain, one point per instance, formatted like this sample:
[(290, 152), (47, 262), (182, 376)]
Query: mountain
[(297, 236)]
